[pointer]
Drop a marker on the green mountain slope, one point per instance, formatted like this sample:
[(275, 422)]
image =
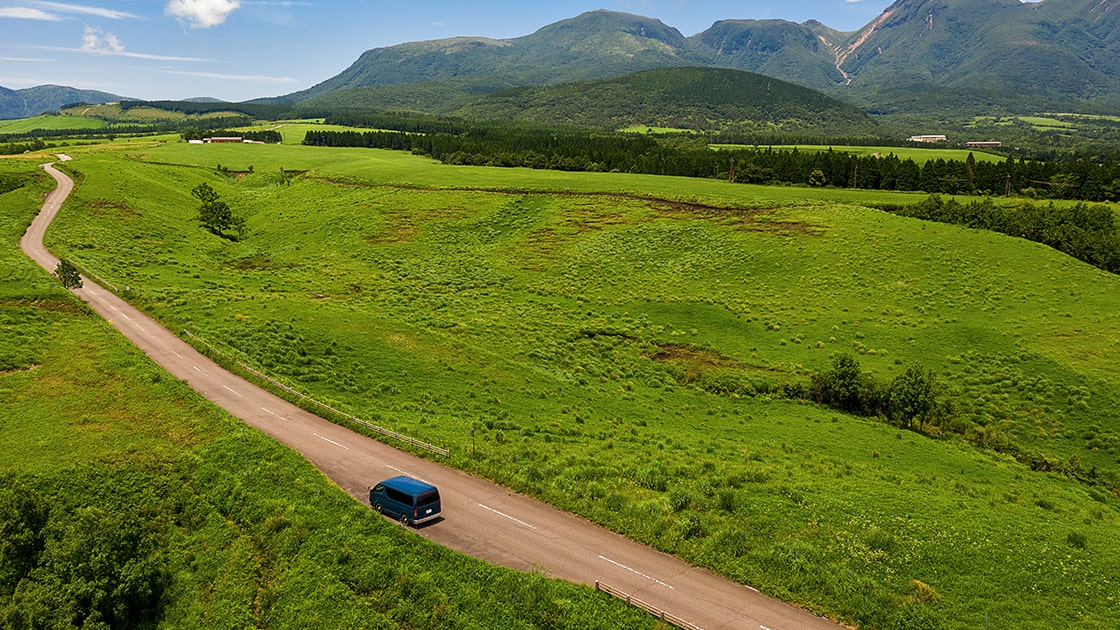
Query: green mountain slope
[(36, 100), (593, 45), (1055, 51), (929, 54), (776, 48), (692, 98)]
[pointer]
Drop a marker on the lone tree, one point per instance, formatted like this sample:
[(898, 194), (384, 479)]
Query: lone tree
[(68, 274), (912, 397), (215, 214)]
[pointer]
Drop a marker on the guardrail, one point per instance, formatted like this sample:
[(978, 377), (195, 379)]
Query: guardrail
[(445, 452), (650, 608)]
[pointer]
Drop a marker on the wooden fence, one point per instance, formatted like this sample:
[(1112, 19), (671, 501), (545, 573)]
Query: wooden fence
[(650, 608)]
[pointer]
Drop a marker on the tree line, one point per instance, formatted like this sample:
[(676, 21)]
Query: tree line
[(267, 136), (128, 129), (634, 153)]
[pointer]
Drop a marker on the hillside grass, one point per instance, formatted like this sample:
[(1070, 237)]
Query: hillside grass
[(149, 490), (24, 125), (580, 323), (919, 154)]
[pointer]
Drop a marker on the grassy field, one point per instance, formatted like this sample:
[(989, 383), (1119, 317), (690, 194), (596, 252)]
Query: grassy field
[(151, 507), (921, 155), (24, 125), (583, 325)]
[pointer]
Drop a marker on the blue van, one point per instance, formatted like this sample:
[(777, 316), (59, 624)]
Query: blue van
[(410, 500)]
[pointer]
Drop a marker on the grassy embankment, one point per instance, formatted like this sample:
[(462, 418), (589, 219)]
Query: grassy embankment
[(582, 333), (127, 499)]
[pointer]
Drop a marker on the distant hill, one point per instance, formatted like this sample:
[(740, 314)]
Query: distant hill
[(690, 98), (924, 54), (46, 98), (594, 45)]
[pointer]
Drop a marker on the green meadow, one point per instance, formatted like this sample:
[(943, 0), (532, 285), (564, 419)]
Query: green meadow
[(921, 155), (618, 345), (24, 125), (126, 500)]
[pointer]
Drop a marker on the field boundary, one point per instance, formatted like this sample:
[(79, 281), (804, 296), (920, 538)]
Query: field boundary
[(443, 452), (650, 608)]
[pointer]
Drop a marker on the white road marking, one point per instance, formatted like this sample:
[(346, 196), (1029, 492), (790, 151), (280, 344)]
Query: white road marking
[(197, 370), (273, 413), (763, 627), (754, 589), (518, 521), (331, 441), (651, 579), (227, 388), (405, 472), (177, 354)]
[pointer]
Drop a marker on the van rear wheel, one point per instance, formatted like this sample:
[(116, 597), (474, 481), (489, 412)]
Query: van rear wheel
[(404, 520)]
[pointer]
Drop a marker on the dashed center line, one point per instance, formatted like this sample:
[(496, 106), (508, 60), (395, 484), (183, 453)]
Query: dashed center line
[(177, 354), (331, 441), (273, 413), (405, 472), (515, 520), (227, 388), (635, 571)]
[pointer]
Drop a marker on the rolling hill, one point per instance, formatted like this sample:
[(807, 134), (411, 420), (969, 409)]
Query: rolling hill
[(690, 98)]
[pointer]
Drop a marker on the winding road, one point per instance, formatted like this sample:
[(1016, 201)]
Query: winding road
[(480, 518)]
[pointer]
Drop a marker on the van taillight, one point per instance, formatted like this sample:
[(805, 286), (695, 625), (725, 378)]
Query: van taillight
[(415, 513)]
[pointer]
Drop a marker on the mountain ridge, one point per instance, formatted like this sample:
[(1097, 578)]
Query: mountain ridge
[(1042, 54), (27, 102)]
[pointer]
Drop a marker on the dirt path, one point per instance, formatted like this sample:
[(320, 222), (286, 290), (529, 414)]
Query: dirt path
[(480, 518)]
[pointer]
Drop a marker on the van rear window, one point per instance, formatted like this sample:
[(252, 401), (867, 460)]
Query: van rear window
[(430, 496)]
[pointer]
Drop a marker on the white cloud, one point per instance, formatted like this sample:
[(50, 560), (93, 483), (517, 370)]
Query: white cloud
[(98, 42), (94, 40), (84, 10), (202, 13), (27, 13)]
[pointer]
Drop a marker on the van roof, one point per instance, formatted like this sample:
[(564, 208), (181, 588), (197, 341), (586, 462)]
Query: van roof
[(408, 484)]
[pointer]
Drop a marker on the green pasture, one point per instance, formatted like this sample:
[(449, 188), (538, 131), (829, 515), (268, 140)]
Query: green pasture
[(152, 507), (24, 125), (659, 130), (920, 155), (590, 329)]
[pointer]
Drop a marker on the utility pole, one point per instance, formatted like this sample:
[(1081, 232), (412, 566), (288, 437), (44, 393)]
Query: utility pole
[(1007, 192)]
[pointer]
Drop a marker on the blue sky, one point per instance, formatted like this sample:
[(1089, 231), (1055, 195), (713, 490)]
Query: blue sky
[(242, 49)]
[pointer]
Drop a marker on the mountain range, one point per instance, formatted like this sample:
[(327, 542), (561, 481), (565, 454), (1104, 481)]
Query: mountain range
[(45, 98), (933, 53)]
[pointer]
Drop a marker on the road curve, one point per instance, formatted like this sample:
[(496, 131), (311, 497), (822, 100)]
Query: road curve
[(480, 518)]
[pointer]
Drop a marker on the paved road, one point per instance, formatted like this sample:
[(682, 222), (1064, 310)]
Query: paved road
[(480, 518)]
